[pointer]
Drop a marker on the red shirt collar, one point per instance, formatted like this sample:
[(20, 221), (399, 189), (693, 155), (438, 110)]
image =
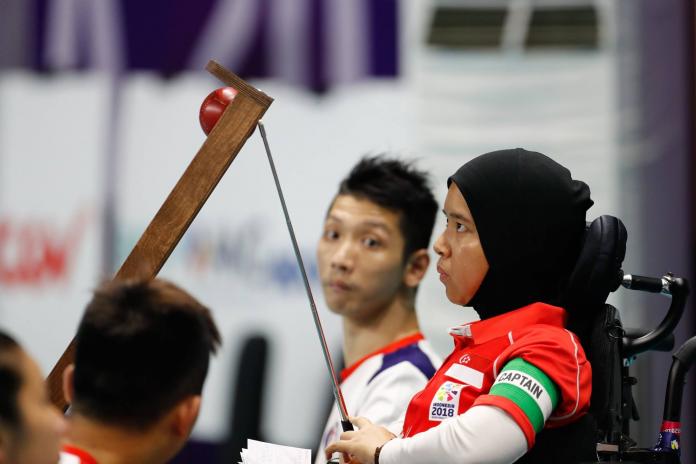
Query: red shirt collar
[(483, 331), (85, 457), (345, 373)]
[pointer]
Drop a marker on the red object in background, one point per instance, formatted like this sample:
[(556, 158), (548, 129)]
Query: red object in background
[(36, 252), (213, 106)]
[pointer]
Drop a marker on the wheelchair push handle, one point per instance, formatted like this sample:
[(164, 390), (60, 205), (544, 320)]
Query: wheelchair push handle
[(647, 284), (678, 289)]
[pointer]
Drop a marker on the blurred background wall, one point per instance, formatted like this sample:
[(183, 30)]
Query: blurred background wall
[(98, 119)]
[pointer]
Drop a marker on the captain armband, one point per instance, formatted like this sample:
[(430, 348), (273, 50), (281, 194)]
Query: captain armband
[(529, 388)]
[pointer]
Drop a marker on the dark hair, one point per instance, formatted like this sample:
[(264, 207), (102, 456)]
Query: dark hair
[(397, 186), (141, 347), (10, 382)]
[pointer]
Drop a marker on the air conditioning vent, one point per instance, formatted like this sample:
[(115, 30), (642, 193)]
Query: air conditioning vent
[(563, 27), (467, 27)]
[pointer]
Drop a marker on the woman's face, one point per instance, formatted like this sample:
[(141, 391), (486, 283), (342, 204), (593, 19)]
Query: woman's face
[(462, 264), (42, 426)]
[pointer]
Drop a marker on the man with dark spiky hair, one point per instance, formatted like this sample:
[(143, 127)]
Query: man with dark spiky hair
[(142, 353), (372, 256)]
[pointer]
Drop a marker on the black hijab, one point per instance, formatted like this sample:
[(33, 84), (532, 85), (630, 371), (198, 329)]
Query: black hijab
[(530, 217)]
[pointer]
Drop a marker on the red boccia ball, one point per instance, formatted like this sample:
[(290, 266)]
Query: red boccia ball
[(213, 107)]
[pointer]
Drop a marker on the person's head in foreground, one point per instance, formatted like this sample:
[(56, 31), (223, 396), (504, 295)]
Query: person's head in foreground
[(515, 224), (373, 252), (141, 358), (30, 426)]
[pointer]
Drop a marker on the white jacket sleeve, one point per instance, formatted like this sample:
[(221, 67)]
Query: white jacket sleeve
[(482, 435)]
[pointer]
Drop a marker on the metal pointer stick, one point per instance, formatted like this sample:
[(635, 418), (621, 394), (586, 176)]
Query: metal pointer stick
[(345, 423)]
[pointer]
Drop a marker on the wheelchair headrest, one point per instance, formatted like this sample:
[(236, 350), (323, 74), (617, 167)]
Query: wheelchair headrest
[(597, 271)]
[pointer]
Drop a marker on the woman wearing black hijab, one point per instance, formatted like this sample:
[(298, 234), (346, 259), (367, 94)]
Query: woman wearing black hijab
[(515, 222)]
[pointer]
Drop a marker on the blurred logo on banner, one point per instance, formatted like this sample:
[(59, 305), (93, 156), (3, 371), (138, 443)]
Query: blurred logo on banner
[(37, 251), (239, 251)]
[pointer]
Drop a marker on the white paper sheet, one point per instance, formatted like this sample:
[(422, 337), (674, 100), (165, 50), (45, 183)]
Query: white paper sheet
[(259, 452)]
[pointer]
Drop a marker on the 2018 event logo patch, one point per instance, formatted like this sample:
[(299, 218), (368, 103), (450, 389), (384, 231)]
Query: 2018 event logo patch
[(445, 403)]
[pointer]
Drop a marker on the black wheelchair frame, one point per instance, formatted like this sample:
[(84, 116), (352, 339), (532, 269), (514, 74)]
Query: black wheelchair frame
[(611, 348), (616, 445)]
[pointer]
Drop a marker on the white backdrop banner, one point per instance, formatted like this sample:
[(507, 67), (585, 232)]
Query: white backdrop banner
[(51, 141)]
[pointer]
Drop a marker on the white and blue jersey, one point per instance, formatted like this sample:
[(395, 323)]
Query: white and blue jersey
[(380, 386)]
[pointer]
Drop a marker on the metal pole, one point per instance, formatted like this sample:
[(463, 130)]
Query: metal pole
[(315, 314)]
